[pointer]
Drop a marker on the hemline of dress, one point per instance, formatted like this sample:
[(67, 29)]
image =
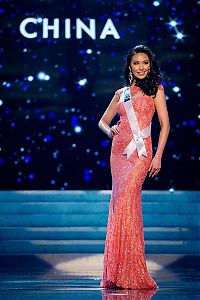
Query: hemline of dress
[(115, 286)]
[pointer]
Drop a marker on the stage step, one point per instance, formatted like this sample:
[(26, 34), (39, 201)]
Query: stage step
[(91, 246), (150, 219), (83, 207), (93, 233), (95, 196), (75, 221)]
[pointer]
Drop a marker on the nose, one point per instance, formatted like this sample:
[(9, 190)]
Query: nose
[(141, 67)]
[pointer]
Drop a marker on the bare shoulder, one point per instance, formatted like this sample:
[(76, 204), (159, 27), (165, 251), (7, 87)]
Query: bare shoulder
[(117, 94), (161, 87), (160, 100), (119, 91), (160, 93)]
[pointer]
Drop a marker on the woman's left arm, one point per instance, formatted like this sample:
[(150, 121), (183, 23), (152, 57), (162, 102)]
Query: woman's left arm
[(161, 108)]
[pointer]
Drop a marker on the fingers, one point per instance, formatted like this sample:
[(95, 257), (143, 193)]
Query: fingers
[(115, 129), (150, 167), (110, 134), (155, 167), (154, 172)]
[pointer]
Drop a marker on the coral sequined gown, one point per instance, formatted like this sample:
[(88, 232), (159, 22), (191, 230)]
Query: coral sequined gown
[(124, 262)]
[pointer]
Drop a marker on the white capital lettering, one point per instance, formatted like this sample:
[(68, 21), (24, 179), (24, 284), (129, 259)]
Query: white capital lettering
[(47, 27), (22, 28), (91, 31), (67, 28), (109, 29)]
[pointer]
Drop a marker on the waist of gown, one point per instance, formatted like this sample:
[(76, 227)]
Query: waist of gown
[(123, 123), (128, 140)]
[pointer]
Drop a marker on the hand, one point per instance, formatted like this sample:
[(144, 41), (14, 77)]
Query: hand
[(155, 166), (113, 131)]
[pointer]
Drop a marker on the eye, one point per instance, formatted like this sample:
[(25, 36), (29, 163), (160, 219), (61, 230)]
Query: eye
[(146, 62), (135, 62)]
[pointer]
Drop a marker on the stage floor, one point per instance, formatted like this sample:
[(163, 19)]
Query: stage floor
[(77, 276)]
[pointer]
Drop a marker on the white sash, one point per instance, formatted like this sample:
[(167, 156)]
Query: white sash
[(139, 135)]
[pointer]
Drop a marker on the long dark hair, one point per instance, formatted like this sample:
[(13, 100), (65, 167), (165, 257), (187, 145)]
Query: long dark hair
[(149, 85)]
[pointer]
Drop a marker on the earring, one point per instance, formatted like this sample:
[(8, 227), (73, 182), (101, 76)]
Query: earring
[(130, 76), (148, 74)]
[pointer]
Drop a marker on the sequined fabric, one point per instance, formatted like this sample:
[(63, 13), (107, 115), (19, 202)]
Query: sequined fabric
[(124, 262)]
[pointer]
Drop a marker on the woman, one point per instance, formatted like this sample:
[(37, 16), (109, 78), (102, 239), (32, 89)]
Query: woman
[(131, 161)]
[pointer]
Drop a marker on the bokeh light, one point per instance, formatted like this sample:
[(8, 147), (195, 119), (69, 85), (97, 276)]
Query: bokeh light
[(55, 89)]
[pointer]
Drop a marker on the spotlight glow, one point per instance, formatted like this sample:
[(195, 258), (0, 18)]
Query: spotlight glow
[(78, 129), (41, 75), (89, 51), (176, 89), (46, 77), (156, 3), (179, 35), (39, 20), (173, 23), (30, 78), (82, 82)]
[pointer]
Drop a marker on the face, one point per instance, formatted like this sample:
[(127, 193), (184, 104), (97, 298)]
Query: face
[(140, 65)]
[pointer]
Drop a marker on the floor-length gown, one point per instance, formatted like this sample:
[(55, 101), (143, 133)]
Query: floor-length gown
[(124, 262)]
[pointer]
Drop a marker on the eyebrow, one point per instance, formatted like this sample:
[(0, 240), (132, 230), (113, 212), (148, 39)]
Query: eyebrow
[(141, 60)]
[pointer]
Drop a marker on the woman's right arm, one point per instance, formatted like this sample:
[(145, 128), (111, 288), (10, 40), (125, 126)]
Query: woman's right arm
[(107, 117)]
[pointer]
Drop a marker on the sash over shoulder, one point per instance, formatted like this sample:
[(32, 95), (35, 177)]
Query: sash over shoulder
[(138, 141)]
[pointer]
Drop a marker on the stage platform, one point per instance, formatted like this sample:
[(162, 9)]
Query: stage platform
[(77, 277), (52, 242)]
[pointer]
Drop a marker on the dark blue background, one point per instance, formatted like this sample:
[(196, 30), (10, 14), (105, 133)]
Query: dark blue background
[(39, 146)]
